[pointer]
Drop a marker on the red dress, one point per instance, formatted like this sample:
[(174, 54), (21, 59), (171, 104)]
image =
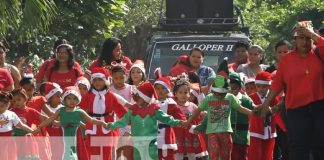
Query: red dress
[(188, 142), (104, 106)]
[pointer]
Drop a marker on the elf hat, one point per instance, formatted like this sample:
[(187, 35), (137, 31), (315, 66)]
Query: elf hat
[(263, 78), (220, 84), (165, 82), (146, 91), (99, 72), (235, 78), (51, 89), (72, 90), (138, 64), (305, 24), (84, 81)]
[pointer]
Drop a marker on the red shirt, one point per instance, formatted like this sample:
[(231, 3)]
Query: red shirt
[(28, 115), (49, 64), (64, 79), (124, 59), (302, 77), (233, 66), (37, 103), (5, 79)]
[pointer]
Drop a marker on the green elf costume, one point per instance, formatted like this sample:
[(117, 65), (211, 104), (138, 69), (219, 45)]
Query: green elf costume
[(144, 123)]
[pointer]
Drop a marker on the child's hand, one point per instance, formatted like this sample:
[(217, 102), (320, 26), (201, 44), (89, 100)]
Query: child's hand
[(56, 124), (183, 124), (36, 131), (106, 125), (275, 109)]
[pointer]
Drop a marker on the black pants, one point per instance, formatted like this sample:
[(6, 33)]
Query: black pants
[(305, 129)]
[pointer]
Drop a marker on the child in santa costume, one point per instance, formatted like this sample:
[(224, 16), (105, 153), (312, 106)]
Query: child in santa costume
[(166, 137), (83, 84), (102, 104), (263, 132), (70, 117), (27, 145), (143, 117), (218, 105), (190, 145), (137, 73), (9, 120), (249, 86)]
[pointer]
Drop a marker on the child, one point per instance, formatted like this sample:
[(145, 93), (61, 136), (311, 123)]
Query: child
[(83, 84), (263, 132), (166, 137), (240, 122), (70, 119), (137, 73), (102, 104), (218, 105), (144, 117), (249, 86), (27, 145), (189, 145), (8, 120)]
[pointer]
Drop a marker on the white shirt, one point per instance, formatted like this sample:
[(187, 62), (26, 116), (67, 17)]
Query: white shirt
[(11, 119)]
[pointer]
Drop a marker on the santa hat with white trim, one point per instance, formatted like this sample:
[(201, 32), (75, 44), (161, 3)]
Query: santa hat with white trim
[(51, 88), (146, 91), (221, 82), (165, 82), (99, 72), (84, 81), (263, 78), (138, 64), (72, 90)]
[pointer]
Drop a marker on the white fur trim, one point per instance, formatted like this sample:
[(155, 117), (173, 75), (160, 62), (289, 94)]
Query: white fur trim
[(142, 95), (202, 154), (219, 90), (84, 82), (169, 146), (98, 75), (266, 134), (74, 92), (262, 82), (53, 91), (138, 66), (163, 84), (192, 129)]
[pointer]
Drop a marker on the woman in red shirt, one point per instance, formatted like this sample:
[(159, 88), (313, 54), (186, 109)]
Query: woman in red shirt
[(300, 73), (111, 54), (64, 71)]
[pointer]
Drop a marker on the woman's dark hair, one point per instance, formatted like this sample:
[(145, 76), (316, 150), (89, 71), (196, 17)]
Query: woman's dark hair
[(130, 81), (27, 80), (193, 77), (116, 69), (3, 46), (70, 61), (197, 49), (5, 97), (20, 92), (282, 43), (106, 56), (241, 44)]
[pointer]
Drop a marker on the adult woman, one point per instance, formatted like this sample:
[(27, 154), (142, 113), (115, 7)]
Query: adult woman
[(111, 53), (194, 62), (15, 74), (64, 71), (254, 66), (300, 72)]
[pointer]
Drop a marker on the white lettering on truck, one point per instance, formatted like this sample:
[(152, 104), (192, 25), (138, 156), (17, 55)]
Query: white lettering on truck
[(204, 47)]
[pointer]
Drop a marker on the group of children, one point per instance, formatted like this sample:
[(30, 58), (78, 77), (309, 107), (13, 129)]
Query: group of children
[(164, 120)]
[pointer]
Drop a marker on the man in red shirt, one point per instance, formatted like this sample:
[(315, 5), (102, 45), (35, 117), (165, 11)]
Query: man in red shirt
[(300, 72)]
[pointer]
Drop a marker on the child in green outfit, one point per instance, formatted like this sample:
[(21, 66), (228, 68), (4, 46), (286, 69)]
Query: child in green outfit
[(218, 105), (70, 117)]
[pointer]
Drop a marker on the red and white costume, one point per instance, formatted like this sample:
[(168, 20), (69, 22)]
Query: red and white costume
[(102, 105), (187, 142)]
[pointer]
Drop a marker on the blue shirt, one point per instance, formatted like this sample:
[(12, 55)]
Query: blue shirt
[(204, 73)]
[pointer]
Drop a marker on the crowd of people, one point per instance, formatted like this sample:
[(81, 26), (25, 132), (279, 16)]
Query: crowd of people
[(243, 110)]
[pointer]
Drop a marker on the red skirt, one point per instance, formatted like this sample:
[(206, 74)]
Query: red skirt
[(8, 146), (27, 147)]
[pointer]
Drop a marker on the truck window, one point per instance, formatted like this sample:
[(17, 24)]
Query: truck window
[(164, 54)]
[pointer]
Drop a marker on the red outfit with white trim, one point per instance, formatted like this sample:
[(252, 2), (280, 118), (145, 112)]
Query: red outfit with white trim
[(262, 137), (104, 109)]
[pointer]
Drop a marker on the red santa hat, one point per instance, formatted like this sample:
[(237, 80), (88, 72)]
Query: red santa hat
[(138, 64), (72, 90), (99, 72), (263, 78), (84, 81), (158, 73), (51, 89), (165, 82), (146, 91)]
